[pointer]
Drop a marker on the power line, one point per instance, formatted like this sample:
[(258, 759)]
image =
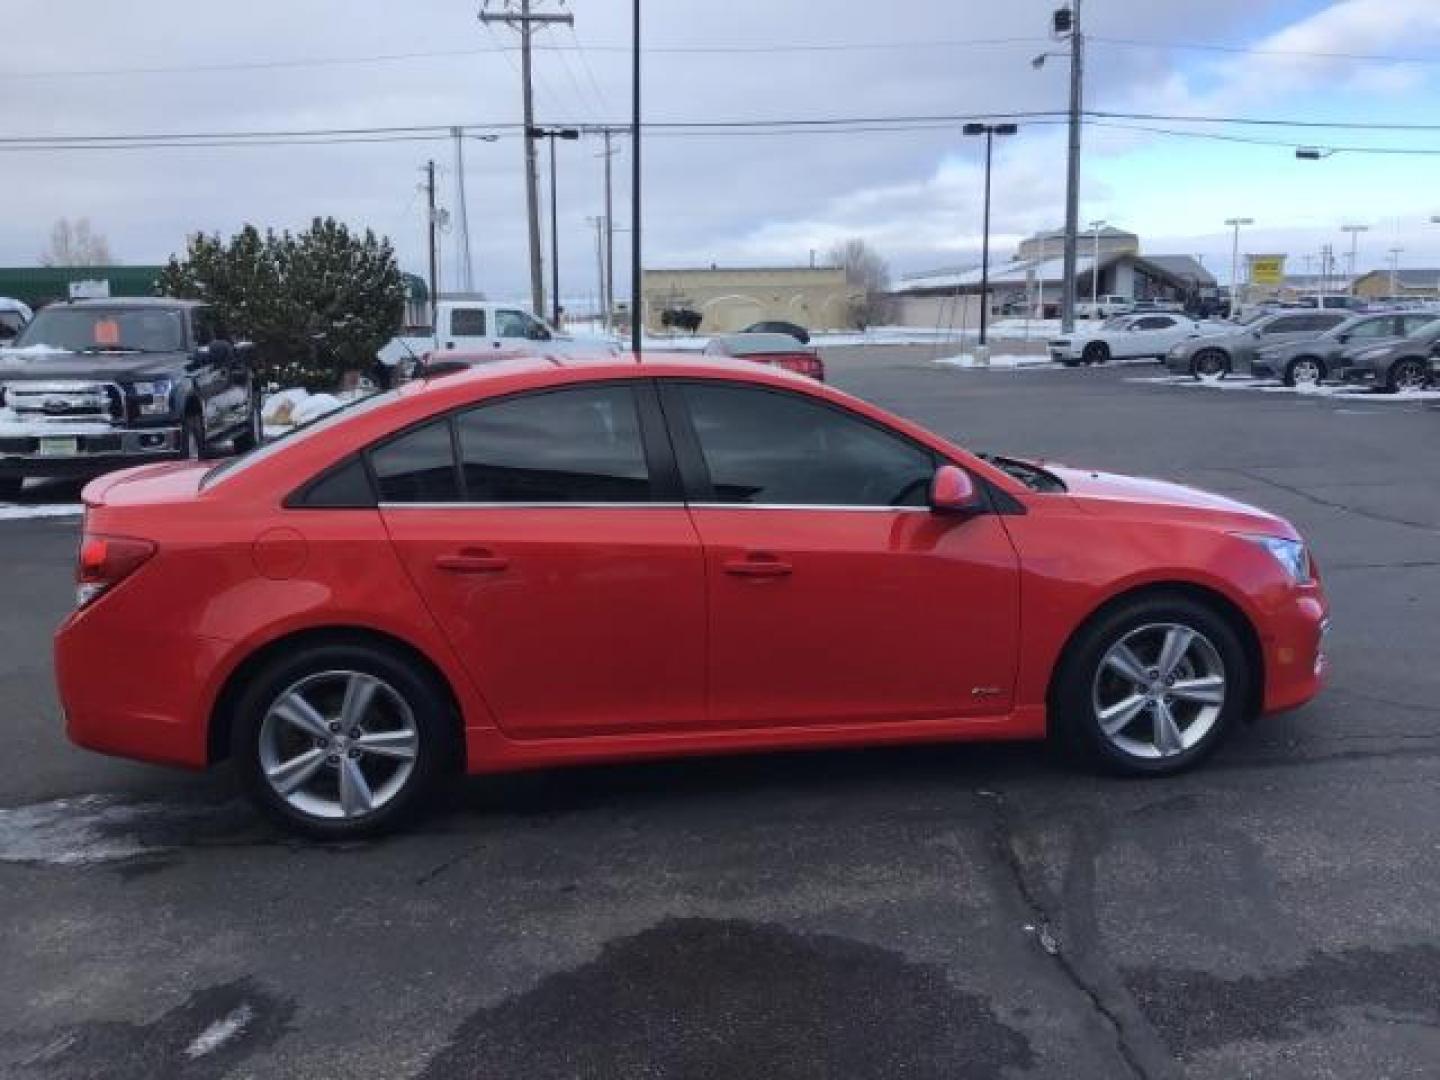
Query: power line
[(1218, 136), (1268, 121), (1196, 46)]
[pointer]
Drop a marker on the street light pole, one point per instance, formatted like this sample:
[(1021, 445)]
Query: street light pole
[(1072, 177), (1096, 226), (552, 134), (1235, 223), (989, 131), (1354, 231)]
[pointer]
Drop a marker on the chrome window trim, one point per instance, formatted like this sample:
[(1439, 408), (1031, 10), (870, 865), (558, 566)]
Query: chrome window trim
[(648, 506)]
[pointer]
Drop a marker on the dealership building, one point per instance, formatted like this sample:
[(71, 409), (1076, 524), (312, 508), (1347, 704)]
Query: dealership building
[(731, 298)]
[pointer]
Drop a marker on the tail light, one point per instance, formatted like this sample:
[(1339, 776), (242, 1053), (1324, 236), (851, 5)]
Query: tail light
[(105, 561), (808, 364)]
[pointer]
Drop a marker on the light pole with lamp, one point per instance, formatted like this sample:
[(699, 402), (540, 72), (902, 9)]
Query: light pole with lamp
[(989, 131), (552, 134), (1235, 223), (1354, 231)]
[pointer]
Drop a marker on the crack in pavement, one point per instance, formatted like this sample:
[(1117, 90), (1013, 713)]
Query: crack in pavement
[(1320, 500), (1136, 1042)]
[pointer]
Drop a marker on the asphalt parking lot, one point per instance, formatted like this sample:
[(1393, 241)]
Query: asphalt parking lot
[(964, 911)]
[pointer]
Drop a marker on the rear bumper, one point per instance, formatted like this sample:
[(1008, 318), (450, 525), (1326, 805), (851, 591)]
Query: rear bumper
[(133, 691), (1293, 641)]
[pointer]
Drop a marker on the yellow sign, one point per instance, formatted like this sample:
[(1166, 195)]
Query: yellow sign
[(1267, 269)]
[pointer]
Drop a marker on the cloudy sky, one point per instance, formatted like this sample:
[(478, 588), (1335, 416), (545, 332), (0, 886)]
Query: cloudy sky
[(98, 68)]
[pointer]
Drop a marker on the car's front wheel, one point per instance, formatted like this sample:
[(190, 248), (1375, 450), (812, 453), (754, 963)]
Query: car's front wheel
[(341, 741), (1152, 687), (1097, 352)]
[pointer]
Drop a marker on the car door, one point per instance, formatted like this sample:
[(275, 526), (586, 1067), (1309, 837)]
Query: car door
[(519, 331), (1150, 335), (835, 595), (546, 535)]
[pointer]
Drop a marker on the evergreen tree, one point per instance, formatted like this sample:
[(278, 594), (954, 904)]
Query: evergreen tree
[(316, 304)]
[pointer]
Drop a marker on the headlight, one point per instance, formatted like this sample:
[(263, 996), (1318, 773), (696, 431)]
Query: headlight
[(152, 398), (1293, 555)]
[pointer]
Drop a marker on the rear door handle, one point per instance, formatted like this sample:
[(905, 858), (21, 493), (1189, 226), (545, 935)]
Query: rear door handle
[(472, 561), (758, 566)]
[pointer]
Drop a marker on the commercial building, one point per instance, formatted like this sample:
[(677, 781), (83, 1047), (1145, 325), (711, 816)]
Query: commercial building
[(1033, 281), (40, 285), (731, 298), (1418, 283)]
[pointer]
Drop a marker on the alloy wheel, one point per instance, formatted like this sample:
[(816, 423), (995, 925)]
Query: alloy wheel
[(1409, 375), (1210, 364), (1305, 373), (1159, 690), (338, 744)]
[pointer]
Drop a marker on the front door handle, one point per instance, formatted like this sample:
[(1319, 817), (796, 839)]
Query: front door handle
[(472, 561), (758, 565)]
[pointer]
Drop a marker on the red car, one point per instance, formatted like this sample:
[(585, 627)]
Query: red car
[(541, 562)]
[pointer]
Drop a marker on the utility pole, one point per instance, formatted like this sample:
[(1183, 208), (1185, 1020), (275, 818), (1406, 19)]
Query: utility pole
[(1354, 231), (607, 281), (1395, 270), (637, 303), (599, 223), (1235, 223), (430, 237), (467, 268), (1072, 176), (524, 20)]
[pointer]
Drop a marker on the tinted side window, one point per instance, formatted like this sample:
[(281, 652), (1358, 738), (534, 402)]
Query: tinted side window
[(772, 447), (1409, 324), (202, 324), (467, 322), (1288, 325), (345, 486), (510, 324), (1375, 328), (577, 445), (419, 466), (1154, 322)]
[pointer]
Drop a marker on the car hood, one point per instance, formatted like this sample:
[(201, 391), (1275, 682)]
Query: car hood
[(1101, 491), (34, 365)]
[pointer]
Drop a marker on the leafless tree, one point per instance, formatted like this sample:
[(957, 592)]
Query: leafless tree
[(75, 244), (866, 272)]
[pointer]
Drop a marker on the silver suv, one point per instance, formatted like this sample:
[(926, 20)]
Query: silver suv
[(1233, 352)]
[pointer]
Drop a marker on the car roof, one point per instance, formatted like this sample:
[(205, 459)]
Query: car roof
[(757, 343)]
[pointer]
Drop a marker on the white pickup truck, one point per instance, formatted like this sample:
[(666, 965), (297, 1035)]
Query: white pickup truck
[(477, 327)]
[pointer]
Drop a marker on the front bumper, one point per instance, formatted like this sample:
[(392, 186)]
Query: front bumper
[(77, 450), (1293, 639)]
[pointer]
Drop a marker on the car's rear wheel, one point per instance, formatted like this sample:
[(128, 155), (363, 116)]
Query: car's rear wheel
[(1210, 364), (1151, 688), (1097, 352), (1305, 371), (341, 741), (1407, 374), (10, 486)]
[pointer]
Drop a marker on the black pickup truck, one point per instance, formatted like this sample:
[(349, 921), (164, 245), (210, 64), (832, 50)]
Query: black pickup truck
[(95, 385)]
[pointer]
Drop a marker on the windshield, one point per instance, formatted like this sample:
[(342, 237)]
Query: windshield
[(105, 330)]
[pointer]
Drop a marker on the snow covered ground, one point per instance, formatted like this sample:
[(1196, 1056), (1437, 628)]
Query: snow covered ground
[(1358, 394), (998, 361)]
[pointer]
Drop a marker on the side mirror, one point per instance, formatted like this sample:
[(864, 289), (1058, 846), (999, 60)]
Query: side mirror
[(952, 491)]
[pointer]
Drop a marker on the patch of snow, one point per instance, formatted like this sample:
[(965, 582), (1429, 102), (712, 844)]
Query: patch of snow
[(21, 511), (280, 404), (1000, 360), (1267, 386), (32, 350), (70, 832), (218, 1033), (314, 407)]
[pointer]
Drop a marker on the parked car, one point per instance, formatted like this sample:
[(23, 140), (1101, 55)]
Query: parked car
[(1311, 361), (1332, 301), (95, 385), (1126, 337), (1233, 352), (799, 333), (1104, 307), (476, 326), (546, 562), (13, 316), (777, 350), (1394, 366), (1150, 304)]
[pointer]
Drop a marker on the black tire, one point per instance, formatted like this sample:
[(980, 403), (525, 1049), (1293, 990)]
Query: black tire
[(254, 433), (1302, 363), (1097, 352), (1210, 364), (1409, 373), (1079, 681), (429, 708), (10, 486)]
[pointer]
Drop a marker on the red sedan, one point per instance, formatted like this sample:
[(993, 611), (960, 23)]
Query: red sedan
[(542, 562)]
